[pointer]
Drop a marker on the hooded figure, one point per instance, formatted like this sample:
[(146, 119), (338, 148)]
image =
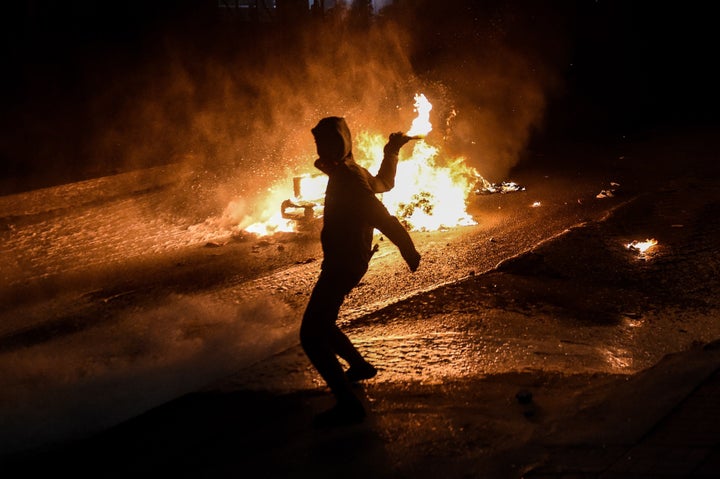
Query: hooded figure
[(352, 212)]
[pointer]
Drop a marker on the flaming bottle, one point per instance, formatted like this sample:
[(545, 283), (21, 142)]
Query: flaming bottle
[(421, 125)]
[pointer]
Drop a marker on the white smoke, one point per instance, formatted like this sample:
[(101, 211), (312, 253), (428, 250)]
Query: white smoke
[(75, 386)]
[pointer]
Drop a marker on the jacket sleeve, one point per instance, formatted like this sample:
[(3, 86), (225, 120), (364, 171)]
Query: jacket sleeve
[(391, 227), (385, 178)]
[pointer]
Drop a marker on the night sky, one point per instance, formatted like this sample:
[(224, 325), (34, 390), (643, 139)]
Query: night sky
[(73, 69)]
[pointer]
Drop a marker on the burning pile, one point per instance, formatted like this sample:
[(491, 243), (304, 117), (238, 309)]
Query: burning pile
[(427, 195)]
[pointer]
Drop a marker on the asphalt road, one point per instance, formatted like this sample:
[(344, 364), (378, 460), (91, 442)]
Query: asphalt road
[(551, 289)]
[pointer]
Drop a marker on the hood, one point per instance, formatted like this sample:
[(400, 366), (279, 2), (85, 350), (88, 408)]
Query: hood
[(333, 141)]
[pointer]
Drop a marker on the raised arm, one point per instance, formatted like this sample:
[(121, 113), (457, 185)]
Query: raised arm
[(385, 178)]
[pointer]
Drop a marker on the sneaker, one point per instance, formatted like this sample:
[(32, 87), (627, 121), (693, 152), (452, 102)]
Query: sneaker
[(342, 414), (359, 373)]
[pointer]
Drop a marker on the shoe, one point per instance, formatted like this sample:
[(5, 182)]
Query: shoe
[(359, 373), (342, 414)]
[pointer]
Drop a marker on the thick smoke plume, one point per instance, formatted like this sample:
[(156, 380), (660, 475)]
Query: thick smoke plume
[(240, 120), (232, 102)]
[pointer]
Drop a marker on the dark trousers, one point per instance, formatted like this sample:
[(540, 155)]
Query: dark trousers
[(320, 336)]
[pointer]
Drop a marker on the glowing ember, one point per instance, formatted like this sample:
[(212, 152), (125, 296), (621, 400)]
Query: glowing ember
[(641, 246), (429, 194), (421, 125), (536, 204)]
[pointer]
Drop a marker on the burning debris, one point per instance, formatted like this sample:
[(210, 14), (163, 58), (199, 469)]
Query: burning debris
[(422, 201), (297, 213), (487, 188), (427, 195), (641, 247), (306, 206)]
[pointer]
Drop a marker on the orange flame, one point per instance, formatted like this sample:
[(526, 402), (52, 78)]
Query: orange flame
[(641, 246), (421, 125), (427, 195)]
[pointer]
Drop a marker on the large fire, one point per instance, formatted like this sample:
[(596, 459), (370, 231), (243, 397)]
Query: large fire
[(430, 192)]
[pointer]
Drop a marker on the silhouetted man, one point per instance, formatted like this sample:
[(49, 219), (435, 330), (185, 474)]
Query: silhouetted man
[(352, 212)]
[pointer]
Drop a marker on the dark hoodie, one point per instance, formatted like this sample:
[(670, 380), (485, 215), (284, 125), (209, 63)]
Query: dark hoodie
[(352, 211)]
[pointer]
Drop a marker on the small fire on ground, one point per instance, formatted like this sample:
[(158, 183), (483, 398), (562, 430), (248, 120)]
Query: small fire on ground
[(641, 247), (431, 191)]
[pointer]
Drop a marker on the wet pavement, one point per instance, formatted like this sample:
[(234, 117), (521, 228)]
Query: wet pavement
[(578, 358), (533, 345)]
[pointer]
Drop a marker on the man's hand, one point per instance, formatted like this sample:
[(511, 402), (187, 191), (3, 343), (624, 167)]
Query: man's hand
[(396, 141), (412, 259)]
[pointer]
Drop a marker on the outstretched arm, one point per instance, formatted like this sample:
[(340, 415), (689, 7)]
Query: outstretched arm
[(389, 225)]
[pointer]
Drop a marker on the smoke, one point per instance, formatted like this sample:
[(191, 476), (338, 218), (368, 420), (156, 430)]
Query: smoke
[(236, 109), (232, 102), (240, 119), (231, 105), (499, 64), (77, 386)]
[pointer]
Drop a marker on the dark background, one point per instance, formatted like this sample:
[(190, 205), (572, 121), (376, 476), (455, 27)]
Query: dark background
[(625, 69)]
